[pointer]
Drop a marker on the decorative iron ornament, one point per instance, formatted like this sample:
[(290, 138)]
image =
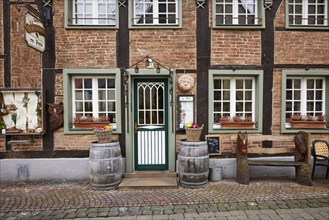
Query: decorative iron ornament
[(122, 3), (268, 4), (200, 3)]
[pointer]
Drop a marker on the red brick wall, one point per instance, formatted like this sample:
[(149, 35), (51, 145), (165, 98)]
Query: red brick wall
[(25, 61), (82, 48), (175, 48), (235, 47)]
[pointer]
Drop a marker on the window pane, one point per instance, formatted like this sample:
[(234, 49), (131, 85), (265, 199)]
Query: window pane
[(239, 84), (289, 84), (318, 95), (226, 84), (288, 95), (87, 83), (217, 106), (111, 106), (310, 84), (101, 83), (217, 95), (101, 95), (318, 106), (78, 83), (88, 94), (248, 106), (297, 95), (79, 106), (111, 94), (102, 106), (226, 95), (310, 95), (318, 83), (88, 106), (248, 95), (226, 106), (78, 95), (248, 84), (217, 84), (239, 95), (297, 83)]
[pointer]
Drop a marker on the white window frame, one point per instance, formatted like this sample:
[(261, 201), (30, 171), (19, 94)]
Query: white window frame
[(233, 100), (156, 24), (303, 96), (72, 22), (68, 84), (94, 100), (258, 12), (305, 14), (303, 74), (257, 98)]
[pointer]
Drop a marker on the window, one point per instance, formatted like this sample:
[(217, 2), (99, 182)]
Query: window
[(233, 13), (305, 99), (93, 94), (307, 13), (234, 96), (156, 13), (86, 13)]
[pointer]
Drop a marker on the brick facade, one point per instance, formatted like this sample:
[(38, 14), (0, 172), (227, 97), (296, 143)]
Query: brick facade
[(174, 48)]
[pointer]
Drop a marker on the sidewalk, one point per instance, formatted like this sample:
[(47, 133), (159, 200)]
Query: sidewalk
[(262, 199)]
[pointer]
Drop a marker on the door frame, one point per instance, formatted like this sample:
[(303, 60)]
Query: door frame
[(130, 109)]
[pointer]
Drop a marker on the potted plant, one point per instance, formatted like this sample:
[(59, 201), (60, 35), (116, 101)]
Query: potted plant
[(193, 132), (89, 122), (236, 122), (307, 121)]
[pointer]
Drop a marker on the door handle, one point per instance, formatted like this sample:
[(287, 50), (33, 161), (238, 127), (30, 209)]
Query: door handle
[(135, 127)]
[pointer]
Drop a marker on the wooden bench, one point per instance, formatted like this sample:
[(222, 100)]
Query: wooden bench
[(301, 153)]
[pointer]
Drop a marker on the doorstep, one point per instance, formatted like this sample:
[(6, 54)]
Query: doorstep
[(147, 179)]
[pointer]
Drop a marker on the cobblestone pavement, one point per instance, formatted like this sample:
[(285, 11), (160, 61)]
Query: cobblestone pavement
[(262, 199)]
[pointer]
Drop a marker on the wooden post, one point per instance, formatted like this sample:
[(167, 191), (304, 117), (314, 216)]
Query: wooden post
[(242, 159)]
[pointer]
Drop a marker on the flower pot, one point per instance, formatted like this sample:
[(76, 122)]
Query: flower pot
[(308, 124), (237, 124), (193, 134), (89, 125)]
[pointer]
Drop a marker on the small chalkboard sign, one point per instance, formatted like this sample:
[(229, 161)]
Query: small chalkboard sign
[(213, 144)]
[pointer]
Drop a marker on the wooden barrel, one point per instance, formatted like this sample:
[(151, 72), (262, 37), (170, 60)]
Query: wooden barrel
[(105, 165), (193, 164)]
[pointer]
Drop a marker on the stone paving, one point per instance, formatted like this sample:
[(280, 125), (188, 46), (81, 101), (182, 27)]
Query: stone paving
[(262, 199)]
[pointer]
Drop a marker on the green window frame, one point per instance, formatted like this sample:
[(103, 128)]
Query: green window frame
[(155, 14), (109, 77), (297, 87), (252, 77), (307, 14), (91, 14), (238, 14)]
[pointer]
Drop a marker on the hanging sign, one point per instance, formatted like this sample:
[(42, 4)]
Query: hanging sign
[(34, 33)]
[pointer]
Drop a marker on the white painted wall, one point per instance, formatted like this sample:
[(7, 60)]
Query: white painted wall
[(77, 169)]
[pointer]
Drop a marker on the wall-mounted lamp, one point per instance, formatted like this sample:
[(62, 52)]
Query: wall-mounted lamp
[(136, 69), (158, 68), (149, 63)]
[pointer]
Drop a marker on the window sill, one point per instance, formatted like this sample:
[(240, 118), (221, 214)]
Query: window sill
[(88, 27)]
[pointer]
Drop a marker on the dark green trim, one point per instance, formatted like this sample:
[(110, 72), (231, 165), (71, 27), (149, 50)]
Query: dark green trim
[(303, 73)]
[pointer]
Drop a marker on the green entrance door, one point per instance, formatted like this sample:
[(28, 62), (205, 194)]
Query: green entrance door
[(151, 124)]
